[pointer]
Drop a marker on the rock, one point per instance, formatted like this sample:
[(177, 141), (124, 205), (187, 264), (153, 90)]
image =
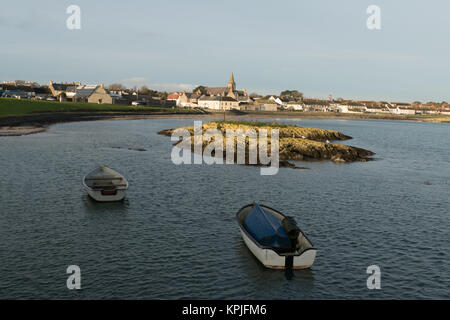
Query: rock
[(296, 143), (132, 149)]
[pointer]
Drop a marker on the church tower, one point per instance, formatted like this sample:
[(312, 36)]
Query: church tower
[(231, 84)]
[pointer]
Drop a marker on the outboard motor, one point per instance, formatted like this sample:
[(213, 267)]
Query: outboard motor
[(293, 231)]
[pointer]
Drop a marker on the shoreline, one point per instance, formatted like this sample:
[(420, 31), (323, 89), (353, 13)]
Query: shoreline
[(36, 123), (40, 122)]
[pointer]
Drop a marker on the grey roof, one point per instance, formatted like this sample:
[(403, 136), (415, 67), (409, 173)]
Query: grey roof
[(227, 99), (84, 93), (63, 86), (71, 89), (216, 90)]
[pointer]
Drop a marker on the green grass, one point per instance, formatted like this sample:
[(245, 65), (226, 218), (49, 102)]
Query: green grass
[(19, 107)]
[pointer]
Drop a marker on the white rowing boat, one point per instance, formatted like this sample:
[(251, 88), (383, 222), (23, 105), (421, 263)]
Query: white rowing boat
[(104, 184), (274, 239)]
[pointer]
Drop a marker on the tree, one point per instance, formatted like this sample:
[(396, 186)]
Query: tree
[(42, 90), (200, 90), (162, 95), (116, 87), (144, 90), (295, 94), (254, 95)]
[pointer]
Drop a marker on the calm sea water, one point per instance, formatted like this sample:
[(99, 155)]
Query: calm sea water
[(175, 235)]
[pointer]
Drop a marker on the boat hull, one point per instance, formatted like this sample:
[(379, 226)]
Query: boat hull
[(105, 185), (98, 196), (270, 258)]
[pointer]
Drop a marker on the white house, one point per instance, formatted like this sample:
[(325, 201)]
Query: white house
[(337, 107), (218, 103), (294, 105), (403, 111)]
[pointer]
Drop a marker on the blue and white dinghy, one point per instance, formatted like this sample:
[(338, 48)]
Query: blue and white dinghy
[(275, 239)]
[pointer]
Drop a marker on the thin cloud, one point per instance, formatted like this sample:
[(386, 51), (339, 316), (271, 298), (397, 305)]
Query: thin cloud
[(170, 87)]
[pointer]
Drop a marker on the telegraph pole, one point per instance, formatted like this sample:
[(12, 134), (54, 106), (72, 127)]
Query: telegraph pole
[(224, 111)]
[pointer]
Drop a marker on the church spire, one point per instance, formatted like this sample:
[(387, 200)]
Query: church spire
[(231, 83)]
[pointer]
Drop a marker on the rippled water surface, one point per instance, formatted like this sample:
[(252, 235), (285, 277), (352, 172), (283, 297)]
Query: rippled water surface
[(175, 235)]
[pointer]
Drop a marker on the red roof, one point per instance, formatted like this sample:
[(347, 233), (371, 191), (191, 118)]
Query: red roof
[(173, 96)]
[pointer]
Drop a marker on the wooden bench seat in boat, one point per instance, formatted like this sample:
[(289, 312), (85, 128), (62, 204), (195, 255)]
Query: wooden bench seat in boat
[(103, 178), (101, 186)]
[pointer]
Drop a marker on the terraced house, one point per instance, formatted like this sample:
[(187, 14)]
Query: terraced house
[(93, 94), (66, 90), (218, 103)]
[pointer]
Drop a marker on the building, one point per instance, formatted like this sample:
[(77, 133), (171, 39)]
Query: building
[(316, 105), (294, 105), (247, 107), (265, 105), (16, 94), (60, 89), (404, 111), (375, 109), (279, 101), (188, 100), (173, 97), (228, 91), (402, 108), (21, 83), (93, 94), (218, 103)]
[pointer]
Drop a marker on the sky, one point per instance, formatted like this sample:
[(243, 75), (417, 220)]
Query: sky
[(317, 47)]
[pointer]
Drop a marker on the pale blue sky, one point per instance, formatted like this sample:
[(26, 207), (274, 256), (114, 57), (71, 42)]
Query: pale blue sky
[(317, 47)]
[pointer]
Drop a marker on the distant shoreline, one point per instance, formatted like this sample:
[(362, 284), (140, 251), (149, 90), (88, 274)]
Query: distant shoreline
[(39, 122)]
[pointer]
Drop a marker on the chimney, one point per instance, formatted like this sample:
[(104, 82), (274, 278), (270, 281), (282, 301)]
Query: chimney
[(79, 83)]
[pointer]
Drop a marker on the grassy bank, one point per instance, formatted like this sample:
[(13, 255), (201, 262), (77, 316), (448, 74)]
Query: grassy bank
[(439, 119), (21, 107)]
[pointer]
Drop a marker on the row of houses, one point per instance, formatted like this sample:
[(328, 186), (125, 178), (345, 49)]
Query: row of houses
[(77, 92), (352, 106), (221, 98), (21, 83), (213, 98), (16, 94)]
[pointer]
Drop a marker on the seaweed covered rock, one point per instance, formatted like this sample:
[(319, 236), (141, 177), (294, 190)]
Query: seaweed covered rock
[(295, 143)]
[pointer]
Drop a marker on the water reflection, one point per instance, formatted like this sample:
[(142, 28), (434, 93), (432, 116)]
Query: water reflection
[(96, 207)]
